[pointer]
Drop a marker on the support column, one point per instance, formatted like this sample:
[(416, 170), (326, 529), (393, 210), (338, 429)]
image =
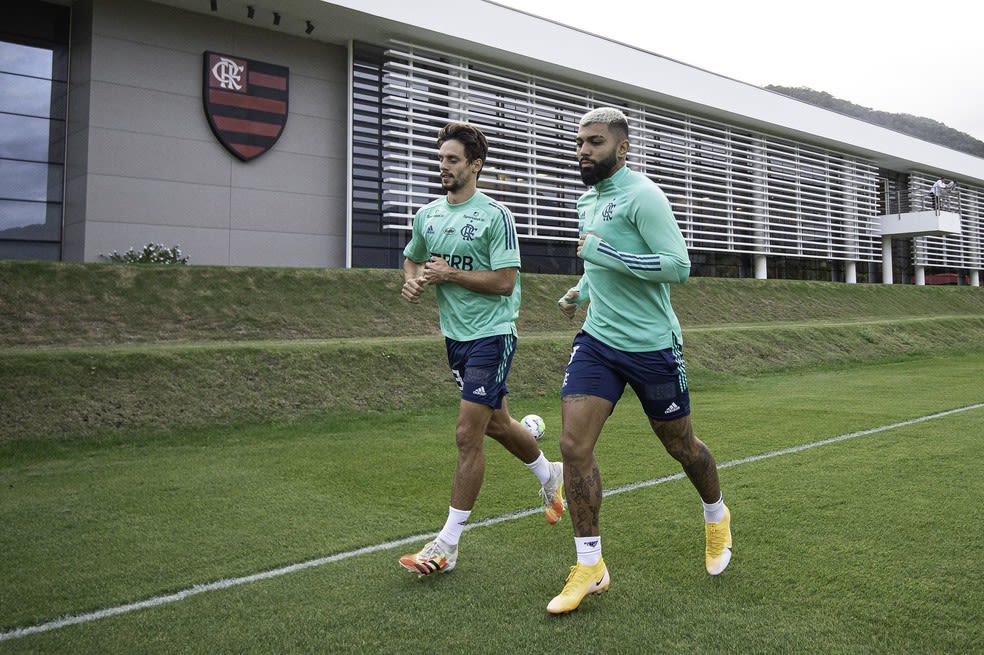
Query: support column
[(851, 272), (975, 278), (760, 207), (761, 270), (920, 276), (887, 260)]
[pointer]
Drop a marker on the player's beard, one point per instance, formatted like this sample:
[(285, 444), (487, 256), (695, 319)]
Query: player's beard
[(451, 183), (598, 171)]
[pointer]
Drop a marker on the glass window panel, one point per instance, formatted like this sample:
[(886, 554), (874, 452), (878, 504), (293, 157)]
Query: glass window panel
[(31, 96), (30, 220), (35, 139), (21, 180), (37, 250), (25, 59)]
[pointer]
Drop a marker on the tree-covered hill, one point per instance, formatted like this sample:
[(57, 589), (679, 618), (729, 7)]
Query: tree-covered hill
[(919, 127)]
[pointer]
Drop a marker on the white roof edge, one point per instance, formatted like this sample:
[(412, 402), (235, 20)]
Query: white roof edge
[(515, 36)]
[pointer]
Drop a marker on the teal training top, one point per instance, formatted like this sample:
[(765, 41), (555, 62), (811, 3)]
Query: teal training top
[(638, 250), (476, 235)]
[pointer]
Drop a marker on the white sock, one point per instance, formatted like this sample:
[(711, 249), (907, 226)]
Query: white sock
[(454, 526), (588, 550), (714, 512), (541, 468)]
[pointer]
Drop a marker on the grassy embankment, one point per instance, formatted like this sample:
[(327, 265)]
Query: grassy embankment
[(92, 349)]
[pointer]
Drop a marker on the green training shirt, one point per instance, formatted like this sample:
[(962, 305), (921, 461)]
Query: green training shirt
[(638, 250), (476, 235)]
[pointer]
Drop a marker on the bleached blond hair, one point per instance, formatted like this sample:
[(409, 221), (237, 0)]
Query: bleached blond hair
[(609, 116), (606, 115)]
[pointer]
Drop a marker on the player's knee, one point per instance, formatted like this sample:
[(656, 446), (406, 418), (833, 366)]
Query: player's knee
[(677, 438), (684, 451), (502, 427), (573, 449), (468, 438)]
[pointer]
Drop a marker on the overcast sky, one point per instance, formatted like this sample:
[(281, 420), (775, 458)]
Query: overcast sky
[(901, 56)]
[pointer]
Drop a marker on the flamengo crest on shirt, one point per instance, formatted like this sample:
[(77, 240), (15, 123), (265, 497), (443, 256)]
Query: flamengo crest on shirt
[(245, 102)]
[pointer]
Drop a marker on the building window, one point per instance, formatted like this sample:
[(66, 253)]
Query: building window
[(33, 107)]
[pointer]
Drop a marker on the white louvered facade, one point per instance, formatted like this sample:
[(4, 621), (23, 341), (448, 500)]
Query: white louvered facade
[(733, 190)]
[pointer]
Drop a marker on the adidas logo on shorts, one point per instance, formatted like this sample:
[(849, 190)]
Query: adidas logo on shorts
[(479, 392), (672, 408)]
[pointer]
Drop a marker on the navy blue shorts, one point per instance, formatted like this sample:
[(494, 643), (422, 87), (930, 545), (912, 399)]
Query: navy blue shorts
[(659, 377), (480, 367)]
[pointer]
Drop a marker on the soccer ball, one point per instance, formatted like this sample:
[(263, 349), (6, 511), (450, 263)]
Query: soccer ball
[(535, 425)]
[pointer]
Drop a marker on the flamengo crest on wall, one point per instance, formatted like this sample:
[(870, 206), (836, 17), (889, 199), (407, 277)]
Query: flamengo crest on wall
[(245, 102)]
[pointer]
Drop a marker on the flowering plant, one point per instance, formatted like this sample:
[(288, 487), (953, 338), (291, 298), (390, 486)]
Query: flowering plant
[(152, 253)]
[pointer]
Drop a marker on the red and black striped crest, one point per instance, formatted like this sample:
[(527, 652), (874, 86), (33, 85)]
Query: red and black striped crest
[(245, 102)]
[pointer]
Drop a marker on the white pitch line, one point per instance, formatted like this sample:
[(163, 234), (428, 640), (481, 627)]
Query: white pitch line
[(368, 550), (801, 447)]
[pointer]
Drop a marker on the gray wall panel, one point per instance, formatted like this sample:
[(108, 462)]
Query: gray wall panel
[(145, 202), (149, 111), (152, 157), (283, 250), (285, 171), (287, 212), (154, 170)]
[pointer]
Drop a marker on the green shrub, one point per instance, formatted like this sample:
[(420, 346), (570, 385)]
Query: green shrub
[(152, 253)]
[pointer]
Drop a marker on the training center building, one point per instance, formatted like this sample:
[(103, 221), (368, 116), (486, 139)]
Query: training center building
[(301, 133)]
